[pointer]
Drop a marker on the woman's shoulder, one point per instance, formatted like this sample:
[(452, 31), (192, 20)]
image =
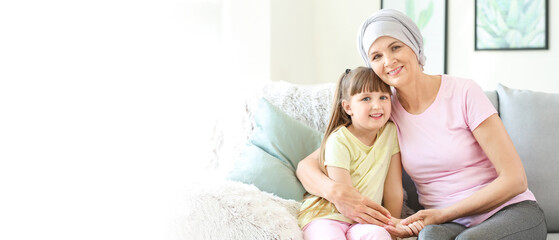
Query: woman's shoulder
[(458, 84), (456, 80)]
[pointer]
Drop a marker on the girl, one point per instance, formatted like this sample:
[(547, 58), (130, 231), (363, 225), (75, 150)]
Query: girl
[(360, 149)]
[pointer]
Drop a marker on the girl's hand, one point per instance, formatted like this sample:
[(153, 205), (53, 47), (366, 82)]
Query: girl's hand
[(357, 207)]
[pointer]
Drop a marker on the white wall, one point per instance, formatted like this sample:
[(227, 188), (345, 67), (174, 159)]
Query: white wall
[(245, 44), (336, 24), (534, 69), (292, 39), (334, 27), (315, 41)]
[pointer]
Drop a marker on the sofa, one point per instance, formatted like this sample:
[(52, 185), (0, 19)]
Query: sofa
[(254, 193)]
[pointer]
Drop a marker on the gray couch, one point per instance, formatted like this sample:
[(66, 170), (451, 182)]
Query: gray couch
[(531, 119)]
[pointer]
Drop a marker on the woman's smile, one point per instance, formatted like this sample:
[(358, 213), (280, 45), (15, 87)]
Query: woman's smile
[(395, 71)]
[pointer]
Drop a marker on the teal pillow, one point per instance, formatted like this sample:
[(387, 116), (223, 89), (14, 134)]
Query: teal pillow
[(282, 136), (267, 173), (276, 146)]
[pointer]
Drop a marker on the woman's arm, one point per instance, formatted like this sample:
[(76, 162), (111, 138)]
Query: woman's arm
[(347, 199), (511, 181)]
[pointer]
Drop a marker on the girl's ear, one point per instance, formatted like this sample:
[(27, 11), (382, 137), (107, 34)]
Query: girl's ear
[(347, 108)]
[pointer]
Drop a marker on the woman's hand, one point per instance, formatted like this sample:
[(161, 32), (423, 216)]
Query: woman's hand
[(402, 231), (357, 207), (428, 216)]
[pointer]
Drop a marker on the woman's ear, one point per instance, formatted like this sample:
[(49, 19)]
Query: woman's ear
[(347, 108)]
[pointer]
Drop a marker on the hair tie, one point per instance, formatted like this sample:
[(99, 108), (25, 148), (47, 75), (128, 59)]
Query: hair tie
[(347, 71)]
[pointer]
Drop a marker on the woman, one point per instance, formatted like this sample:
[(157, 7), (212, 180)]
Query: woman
[(454, 146)]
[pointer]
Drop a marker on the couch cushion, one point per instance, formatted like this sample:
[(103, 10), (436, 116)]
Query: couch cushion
[(273, 151), (531, 120), (282, 136), (267, 173), (494, 98)]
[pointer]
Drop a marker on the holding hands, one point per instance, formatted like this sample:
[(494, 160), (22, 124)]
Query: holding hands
[(361, 209), (397, 229), (414, 223)]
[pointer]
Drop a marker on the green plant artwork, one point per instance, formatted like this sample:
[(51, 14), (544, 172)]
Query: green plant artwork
[(510, 24), (423, 15), (430, 18)]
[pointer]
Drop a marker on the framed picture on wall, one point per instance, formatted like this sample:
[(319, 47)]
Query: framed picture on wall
[(511, 25), (430, 16)]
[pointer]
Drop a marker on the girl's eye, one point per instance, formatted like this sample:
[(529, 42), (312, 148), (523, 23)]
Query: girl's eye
[(383, 97), (366, 99)]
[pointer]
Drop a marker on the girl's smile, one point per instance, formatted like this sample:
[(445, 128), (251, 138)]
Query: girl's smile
[(369, 111)]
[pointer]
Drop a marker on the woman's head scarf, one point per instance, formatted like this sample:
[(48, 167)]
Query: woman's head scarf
[(392, 23)]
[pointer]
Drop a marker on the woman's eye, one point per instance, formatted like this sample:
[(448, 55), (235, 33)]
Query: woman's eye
[(375, 57), (395, 48)]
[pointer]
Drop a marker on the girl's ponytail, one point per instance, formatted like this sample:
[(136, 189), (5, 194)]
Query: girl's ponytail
[(338, 118)]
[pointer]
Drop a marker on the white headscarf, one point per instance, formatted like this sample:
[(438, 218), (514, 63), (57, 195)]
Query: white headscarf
[(392, 23)]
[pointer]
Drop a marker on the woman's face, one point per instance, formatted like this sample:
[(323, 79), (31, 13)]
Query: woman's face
[(393, 61)]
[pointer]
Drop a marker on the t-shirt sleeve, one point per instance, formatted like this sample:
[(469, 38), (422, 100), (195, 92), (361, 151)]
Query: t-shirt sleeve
[(393, 138), (478, 107), (336, 154)]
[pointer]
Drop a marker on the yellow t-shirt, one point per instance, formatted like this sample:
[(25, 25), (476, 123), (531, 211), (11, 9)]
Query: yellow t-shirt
[(367, 165)]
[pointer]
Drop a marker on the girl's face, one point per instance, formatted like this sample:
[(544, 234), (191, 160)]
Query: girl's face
[(368, 110), (393, 61)]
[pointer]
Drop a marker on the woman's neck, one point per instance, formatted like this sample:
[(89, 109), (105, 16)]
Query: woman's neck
[(417, 96)]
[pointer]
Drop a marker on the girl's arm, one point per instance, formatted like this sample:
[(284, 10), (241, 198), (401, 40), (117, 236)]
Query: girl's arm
[(346, 198), (511, 181), (339, 175), (393, 199), (393, 196)]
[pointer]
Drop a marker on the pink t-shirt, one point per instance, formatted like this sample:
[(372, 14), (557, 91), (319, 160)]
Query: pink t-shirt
[(440, 152)]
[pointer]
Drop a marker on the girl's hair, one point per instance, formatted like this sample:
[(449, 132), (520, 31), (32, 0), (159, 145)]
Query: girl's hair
[(358, 80)]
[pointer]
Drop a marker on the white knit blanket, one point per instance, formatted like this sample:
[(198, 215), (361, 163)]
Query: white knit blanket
[(231, 210)]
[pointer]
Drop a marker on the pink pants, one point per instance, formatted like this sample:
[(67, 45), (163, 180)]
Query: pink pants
[(333, 229)]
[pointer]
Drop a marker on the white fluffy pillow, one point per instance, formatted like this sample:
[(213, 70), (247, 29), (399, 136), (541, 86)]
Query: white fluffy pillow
[(232, 210)]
